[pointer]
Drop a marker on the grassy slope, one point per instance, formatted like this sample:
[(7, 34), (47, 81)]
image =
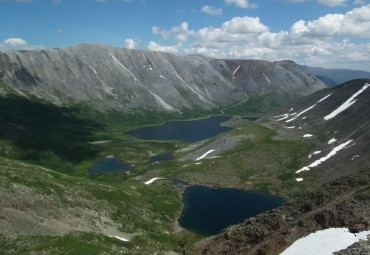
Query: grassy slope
[(57, 138)]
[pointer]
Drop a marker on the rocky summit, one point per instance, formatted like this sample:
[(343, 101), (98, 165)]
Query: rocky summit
[(133, 80)]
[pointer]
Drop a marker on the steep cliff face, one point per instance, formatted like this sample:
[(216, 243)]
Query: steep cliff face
[(128, 80)]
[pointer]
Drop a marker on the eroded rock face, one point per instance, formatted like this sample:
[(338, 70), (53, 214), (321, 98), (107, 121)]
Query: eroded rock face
[(127, 80), (341, 203)]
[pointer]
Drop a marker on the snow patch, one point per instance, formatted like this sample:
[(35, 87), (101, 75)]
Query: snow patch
[(291, 109), (355, 156), (119, 63), (283, 118), (236, 70), (347, 103), (162, 102), (333, 140), (299, 179), (324, 242), (319, 161), (161, 76), (314, 153), (152, 180), (307, 109), (205, 154), (267, 78), (120, 238), (307, 135), (290, 127)]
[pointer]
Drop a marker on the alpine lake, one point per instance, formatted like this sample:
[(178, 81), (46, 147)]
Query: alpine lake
[(206, 210)]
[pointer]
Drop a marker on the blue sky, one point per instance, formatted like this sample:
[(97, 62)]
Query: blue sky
[(325, 33)]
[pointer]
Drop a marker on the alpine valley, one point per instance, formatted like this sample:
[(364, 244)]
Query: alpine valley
[(299, 132)]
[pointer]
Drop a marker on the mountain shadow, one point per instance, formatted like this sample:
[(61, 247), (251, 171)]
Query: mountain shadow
[(36, 128)]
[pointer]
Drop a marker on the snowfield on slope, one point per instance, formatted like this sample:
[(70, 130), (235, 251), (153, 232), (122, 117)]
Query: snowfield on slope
[(325, 242), (319, 161), (347, 103)]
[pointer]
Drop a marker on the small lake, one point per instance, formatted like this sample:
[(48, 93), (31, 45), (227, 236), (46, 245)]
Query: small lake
[(185, 131), (109, 165), (209, 210)]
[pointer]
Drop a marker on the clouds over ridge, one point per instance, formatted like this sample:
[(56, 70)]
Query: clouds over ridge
[(322, 40)]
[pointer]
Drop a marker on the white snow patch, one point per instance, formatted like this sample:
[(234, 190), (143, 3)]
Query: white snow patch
[(214, 157), (324, 242), (197, 62), (319, 161), (283, 118), (303, 118), (333, 140), (236, 70), (291, 110), (314, 153), (347, 103), (290, 127), (307, 109), (267, 78), (299, 128), (205, 154), (296, 116), (161, 76), (135, 79), (152, 180), (199, 163), (120, 238), (285, 114), (355, 156), (162, 102), (307, 135), (299, 179), (322, 99)]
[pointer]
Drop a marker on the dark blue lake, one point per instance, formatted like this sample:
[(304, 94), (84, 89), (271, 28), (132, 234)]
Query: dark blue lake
[(185, 131), (208, 210), (109, 165)]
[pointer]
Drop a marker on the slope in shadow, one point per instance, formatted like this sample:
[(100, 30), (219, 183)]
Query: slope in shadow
[(36, 127)]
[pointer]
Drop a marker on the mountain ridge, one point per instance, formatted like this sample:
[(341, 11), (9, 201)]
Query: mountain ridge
[(132, 80)]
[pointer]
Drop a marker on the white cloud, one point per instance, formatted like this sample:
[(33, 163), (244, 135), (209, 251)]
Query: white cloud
[(17, 44), (328, 41), (130, 43), (211, 10), (179, 33), (241, 3), (330, 3), (169, 49), (238, 29)]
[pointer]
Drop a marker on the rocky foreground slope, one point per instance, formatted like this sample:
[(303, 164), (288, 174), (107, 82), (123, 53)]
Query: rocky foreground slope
[(134, 80), (342, 203), (335, 123)]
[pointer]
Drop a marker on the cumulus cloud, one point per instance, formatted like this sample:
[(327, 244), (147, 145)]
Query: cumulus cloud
[(169, 49), (241, 3), (179, 33), (211, 10), (17, 44), (328, 41), (130, 43)]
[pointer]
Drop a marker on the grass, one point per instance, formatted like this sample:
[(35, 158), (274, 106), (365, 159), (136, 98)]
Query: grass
[(35, 134)]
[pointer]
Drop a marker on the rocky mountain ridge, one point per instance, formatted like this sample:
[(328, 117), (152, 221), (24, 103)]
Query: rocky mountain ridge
[(135, 80)]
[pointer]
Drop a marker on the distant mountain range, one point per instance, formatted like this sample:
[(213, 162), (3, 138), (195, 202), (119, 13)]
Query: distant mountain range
[(133, 80), (333, 77)]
